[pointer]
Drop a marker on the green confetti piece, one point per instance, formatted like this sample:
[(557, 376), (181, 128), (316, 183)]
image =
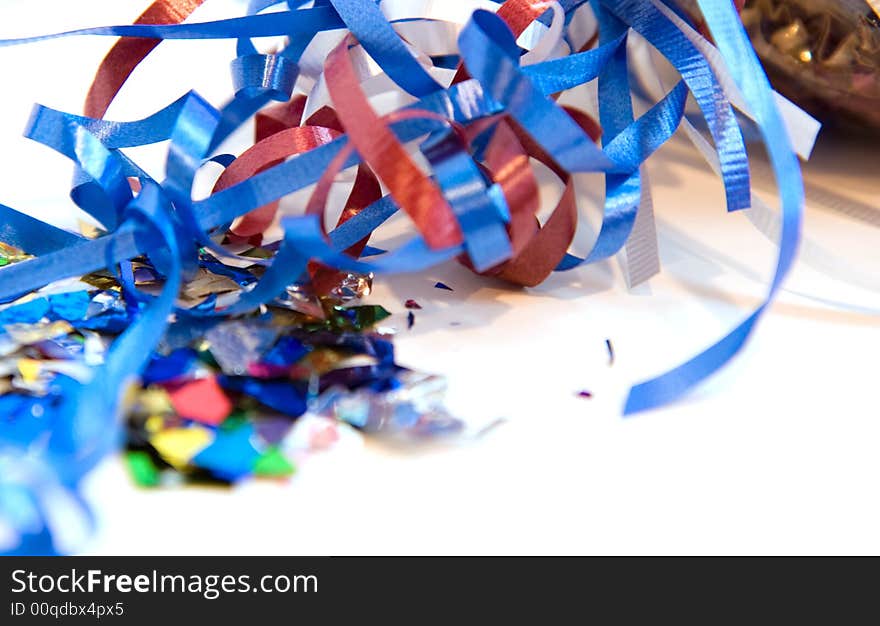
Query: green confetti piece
[(236, 419), (3, 261), (142, 468), (273, 464), (258, 253), (357, 317)]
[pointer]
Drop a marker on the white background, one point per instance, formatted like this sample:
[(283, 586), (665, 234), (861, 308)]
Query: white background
[(777, 454)]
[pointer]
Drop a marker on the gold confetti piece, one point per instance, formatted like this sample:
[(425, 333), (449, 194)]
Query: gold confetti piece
[(206, 283), (11, 254), (101, 281), (179, 445), (324, 360), (90, 231), (153, 401)]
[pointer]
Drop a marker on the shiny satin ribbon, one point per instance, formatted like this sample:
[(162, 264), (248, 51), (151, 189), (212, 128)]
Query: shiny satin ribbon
[(483, 212), (746, 70), (128, 53)]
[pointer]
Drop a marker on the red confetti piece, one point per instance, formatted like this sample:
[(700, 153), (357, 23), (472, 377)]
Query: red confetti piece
[(412, 304), (201, 400)]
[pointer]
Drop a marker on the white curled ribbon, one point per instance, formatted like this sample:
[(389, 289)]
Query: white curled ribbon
[(763, 217), (641, 250), (803, 129)]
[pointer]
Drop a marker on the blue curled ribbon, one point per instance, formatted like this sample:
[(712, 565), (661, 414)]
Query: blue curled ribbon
[(367, 23), (746, 70), (482, 214), (164, 222)]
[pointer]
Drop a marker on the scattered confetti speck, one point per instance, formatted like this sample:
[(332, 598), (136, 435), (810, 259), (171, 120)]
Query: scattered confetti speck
[(443, 286), (490, 427), (610, 347), (412, 304)]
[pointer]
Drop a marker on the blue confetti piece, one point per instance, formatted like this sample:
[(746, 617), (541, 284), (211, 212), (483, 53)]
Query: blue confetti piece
[(163, 369), (371, 251), (71, 306), (231, 456), (29, 312), (286, 351), (282, 396)]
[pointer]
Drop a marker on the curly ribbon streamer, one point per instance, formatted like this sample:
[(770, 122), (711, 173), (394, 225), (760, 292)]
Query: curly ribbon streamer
[(746, 70), (478, 202), (128, 53)]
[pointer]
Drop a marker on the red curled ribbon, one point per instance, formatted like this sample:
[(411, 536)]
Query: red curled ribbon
[(128, 53), (413, 191)]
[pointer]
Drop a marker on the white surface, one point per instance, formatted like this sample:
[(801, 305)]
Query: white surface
[(777, 454)]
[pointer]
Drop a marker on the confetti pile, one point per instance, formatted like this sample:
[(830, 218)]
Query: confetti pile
[(220, 399), (225, 328)]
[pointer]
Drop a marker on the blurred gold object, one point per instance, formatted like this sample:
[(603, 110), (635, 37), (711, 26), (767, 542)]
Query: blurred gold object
[(822, 54)]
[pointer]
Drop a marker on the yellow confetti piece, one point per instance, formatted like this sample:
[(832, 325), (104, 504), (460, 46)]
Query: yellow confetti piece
[(154, 424), (179, 445), (29, 370), (153, 401)]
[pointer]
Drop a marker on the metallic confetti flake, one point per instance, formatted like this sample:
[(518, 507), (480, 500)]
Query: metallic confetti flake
[(205, 283), (358, 318), (353, 287), (28, 334), (301, 301), (101, 280), (416, 406), (236, 345), (10, 254), (104, 301)]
